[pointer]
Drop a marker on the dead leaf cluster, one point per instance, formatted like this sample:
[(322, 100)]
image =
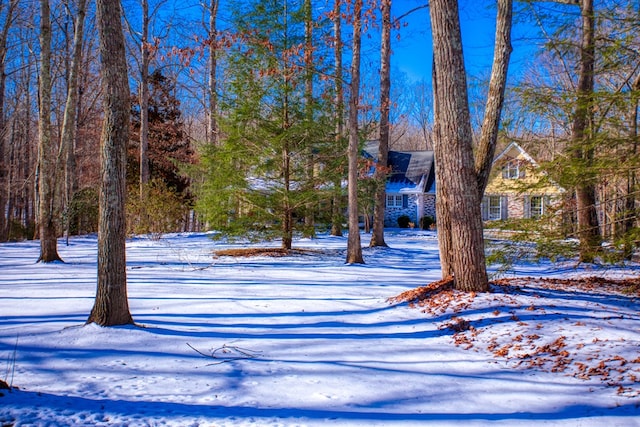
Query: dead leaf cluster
[(548, 349)]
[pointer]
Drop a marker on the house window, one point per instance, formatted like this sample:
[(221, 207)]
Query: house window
[(495, 208), (536, 206), (394, 201), (511, 170)]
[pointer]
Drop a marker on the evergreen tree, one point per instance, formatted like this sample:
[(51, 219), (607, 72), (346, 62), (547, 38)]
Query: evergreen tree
[(257, 177)]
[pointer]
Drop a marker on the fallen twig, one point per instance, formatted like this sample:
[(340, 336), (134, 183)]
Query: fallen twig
[(228, 353)]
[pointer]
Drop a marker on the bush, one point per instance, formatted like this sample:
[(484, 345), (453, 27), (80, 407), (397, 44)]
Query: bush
[(83, 212), (160, 210), (403, 221), (426, 222)]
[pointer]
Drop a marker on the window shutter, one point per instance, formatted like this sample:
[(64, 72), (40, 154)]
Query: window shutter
[(546, 203), (504, 207), (405, 201), (526, 207), (484, 206), (522, 170)]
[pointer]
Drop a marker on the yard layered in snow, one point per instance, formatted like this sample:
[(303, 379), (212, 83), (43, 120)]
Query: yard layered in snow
[(307, 340)]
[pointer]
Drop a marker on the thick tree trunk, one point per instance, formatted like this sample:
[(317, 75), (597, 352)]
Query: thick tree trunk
[(336, 206), (454, 150), (354, 248), (47, 203), (588, 226), (377, 237), (111, 305)]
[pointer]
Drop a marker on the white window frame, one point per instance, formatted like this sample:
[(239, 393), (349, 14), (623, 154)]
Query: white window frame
[(394, 200), (511, 170), (537, 210), (494, 208)]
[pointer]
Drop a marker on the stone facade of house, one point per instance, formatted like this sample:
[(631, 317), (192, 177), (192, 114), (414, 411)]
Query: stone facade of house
[(428, 202)]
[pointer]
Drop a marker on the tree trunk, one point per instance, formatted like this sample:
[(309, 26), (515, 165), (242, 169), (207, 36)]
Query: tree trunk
[(377, 237), (69, 122), (354, 247), (111, 306), (4, 169), (212, 125), (454, 150), (287, 211), (588, 227), (309, 217), (47, 203), (486, 149), (144, 100), (336, 206)]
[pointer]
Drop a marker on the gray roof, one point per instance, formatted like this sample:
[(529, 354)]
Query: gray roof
[(407, 166)]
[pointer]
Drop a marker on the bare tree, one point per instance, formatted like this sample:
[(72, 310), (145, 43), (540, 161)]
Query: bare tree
[(4, 35), (354, 248), (111, 306), (145, 53), (212, 124), (69, 121), (47, 203), (336, 214), (377, 237)]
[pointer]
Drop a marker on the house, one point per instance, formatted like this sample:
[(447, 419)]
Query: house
[(410, 185), (518, 188)]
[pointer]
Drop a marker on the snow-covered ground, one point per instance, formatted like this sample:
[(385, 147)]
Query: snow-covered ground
[(306, 340)]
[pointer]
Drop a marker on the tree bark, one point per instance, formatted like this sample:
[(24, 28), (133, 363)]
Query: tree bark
[(454, 151), (47, 203), (309, 217), (144, 100), (69, 122), (377, 237), (212, 125), (354, 248), (486, 149), (111, 305), (336, 206), (4, 169), (588, 226)]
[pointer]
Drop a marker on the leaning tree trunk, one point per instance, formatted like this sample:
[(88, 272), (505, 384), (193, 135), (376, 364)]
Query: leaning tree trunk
[(111, 306), (47, 203), (454, 150), (354, 248), (486, 149), (377, 237)]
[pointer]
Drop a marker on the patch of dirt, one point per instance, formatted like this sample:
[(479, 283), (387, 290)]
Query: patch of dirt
[(253, 252), (519, 324)]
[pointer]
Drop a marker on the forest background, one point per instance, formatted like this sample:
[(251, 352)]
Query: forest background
[(222, 92)]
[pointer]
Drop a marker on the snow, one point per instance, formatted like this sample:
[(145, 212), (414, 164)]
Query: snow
[(306, 340)]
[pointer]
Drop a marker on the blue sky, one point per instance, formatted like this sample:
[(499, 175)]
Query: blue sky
[(412, 53)]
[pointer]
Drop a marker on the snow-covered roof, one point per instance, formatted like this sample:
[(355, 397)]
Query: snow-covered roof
[(411, 171)]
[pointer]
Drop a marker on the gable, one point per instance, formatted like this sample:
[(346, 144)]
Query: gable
[(515, 171)]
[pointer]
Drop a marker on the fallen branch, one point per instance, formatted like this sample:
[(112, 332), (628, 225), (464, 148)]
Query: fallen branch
[(227, 353)]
